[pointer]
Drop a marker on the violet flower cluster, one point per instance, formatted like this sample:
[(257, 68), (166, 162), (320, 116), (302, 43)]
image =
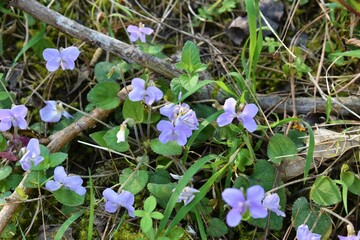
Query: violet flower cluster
[(246, 116), (71, 182), (303, 233), (115, 200), (32, 155), (65, 58), (254, 202), (137, 32), (13, 117), (141, 92), (53, 111), (182, 121)]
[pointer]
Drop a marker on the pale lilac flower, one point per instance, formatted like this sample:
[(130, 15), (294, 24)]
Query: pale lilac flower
[(121, 133), (352, 237), (137, 32), (169, 132), (71, 182), (14, 116), (303, 233), (52, 112), (246, 117), (236, 200), (115, 200), (65, 58), (32, 155), (187, 195), (272, 202), (139, 92)]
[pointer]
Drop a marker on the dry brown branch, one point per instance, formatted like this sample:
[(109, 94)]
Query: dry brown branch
[(127, 52)]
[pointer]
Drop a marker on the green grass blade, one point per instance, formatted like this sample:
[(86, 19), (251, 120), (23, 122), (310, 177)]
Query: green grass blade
[(310, 152), (92, 209), (37, 37), (200, 224), (181, 185), (67, 223)]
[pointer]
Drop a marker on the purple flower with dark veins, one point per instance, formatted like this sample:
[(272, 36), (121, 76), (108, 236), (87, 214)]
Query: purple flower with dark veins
[(71, 182), (169, 132), (65, 58), (303, 233), (139, 92), (236, 200), (246, 117), (13, 117), (32, 155), (137, 32), (115, 200), (351, 237), (272, 202), (53, 111)]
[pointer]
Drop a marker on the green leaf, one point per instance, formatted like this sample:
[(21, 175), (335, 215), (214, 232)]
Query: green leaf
[(281, 148), (35, 179), (139, 213), (160, 176), (156, 215), (3, 95), (134, 182), (133, 110), (5, 171), (190, 59), (68, 197), (150, 204), (176, 234), (216, 228), (104, 95), (355, 187), (242, 159), (319, 221), (146, 223), (3, 143), (167, 149), (324, 191), (106, 72), (98, 137), (353, 53), (111, 140), (57, 158), (162, 192)]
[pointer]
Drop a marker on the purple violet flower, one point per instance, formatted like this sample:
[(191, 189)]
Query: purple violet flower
[(52, 112), (187, 195), (65, 58), (139, 93), (14, 116), (272, 202), (352, 237), (32, 155), (73, 182), (303, 233), (115, 200), (236, 200), (246, 117), (137, 32), (169, 132)]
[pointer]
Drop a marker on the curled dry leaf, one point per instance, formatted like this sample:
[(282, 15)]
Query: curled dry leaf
[(328, 145)]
